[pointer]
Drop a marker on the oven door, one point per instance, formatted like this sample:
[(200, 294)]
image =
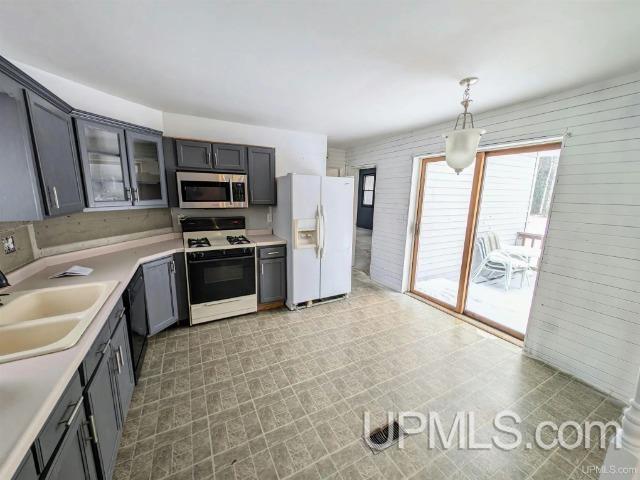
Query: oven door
[(204, 190), (216, 279)]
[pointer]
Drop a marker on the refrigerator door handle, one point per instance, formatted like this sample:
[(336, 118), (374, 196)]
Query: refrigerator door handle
[(318, 228), (322, 221)]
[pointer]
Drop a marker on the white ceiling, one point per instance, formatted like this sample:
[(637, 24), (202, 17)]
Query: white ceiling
[(348, 68)]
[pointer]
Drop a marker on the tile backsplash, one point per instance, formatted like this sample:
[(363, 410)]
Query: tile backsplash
[(78, 227), (24, 252)]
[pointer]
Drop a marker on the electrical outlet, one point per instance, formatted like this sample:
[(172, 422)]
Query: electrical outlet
[(9, 244)]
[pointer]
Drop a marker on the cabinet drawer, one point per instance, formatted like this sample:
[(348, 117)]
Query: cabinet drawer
[(272, 252), (94, 355), (56, 425), (116, 315)]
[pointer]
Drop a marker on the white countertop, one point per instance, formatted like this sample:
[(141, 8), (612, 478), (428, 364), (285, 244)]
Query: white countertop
[(31, 388), (265, 240)]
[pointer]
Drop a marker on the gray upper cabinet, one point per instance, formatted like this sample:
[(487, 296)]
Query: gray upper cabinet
[(104, 164), (20, 197), (56, 155), (262, 175), (170, 168), (193, 155), (146, 166), (229, 158), (161, 295), (122, 168)]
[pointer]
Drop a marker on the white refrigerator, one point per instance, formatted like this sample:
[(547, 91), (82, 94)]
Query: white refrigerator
[(314, 215)]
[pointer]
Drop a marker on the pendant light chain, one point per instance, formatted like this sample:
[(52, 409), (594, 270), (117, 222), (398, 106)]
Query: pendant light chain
[(466, 101)]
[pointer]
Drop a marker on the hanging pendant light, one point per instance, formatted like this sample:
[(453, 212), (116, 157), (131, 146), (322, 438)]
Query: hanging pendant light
[(461, 144)]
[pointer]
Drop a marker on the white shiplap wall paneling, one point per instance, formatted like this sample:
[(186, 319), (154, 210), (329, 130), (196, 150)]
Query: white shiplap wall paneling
[(582, 318)]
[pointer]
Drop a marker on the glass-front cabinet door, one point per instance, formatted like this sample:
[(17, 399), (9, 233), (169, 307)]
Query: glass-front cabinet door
[(146, 166), (104, 163)]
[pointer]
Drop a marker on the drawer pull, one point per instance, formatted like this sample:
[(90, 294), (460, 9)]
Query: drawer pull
[(121, 314), (272, 253), (106, 346), (74, 412)]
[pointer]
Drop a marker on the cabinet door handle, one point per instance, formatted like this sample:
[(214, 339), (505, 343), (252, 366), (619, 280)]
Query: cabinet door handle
[(262, 269), (215, 157), (121, 357), (76, 408), (118, 365), (136, 196), (92, 427), (55, 197), (127, 193), (208, 160)]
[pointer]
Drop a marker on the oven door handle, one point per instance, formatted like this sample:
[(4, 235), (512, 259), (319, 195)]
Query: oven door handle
[(192, 262)]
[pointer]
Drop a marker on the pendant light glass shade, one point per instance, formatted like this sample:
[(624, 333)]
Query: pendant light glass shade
[(461, 147)]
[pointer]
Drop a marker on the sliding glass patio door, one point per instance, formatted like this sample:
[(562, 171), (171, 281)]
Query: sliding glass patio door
[(479, 235), (442, 228), (514, 205)]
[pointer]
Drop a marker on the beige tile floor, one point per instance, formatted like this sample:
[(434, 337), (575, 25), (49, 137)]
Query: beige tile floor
[(281, 394)]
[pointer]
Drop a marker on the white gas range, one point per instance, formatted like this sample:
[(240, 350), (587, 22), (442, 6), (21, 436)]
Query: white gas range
[(221, 268)]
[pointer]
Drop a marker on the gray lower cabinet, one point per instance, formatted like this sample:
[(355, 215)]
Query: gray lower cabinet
[(80, 439), (125, 381), (75, 459), (27, 469), (56, 426), (229, 158), (182, 295), (56, 156), (272, 274), (193, 155), (160, 293), (261, 163), (104, 416)]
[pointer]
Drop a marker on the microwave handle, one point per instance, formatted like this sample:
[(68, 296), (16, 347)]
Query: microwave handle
[(231, 190)]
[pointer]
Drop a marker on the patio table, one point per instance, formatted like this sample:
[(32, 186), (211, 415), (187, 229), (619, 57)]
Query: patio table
[(522, 251)]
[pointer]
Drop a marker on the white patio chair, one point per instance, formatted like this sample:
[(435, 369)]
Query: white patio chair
[(496, 263)]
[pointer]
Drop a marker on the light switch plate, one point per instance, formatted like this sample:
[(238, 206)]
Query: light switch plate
[(9, 244)]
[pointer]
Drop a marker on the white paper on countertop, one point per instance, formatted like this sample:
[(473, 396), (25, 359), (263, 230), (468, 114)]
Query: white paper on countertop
[(75, 271)]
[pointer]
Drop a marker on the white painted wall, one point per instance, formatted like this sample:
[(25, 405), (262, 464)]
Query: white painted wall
[(336, 162), (585, 312), (296, 152), (87, 98)]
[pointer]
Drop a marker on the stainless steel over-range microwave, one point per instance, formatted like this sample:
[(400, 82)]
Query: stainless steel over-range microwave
[(211, 190)]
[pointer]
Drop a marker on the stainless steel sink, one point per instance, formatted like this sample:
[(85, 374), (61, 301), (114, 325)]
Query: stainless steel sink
[(48, 320)]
